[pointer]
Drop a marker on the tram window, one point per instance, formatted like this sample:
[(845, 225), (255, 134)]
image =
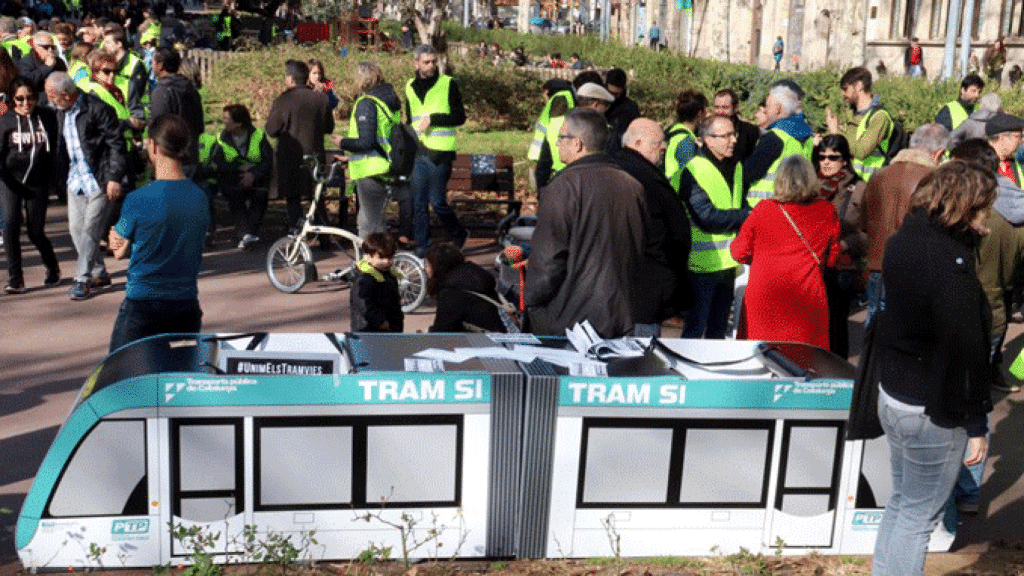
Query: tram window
[(207, 457), (805, 504), (811, 456), (411, 463), (106, 469), (724, 465), (627, 464), (305, 465), (207, 509)]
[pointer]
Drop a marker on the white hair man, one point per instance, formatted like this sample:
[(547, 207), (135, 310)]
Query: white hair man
[(788, 134)]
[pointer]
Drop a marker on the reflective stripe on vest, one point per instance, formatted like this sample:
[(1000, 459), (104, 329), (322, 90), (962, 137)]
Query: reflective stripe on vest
[(372, 163), (680, 134), (435, 102), (123, 78), (710, 250), (865, 167), (540, 130), (206, 142), (225, 31), (252, 154), (79, 68), (765, 187), (957, 113)]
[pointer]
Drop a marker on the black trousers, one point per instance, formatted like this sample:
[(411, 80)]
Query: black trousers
[(15, 207)]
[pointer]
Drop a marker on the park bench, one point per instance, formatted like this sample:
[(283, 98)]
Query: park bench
[(482, 188)]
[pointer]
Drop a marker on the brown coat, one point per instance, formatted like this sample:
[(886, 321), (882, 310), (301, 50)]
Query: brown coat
[(848, 202), (299, 119), (887, 197), (587, 249)]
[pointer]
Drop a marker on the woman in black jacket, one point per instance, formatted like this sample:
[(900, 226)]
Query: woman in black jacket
[(28, 151), (465, 294), (930, 358)]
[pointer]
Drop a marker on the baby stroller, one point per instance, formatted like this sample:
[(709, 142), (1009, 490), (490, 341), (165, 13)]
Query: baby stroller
[(514, 236)]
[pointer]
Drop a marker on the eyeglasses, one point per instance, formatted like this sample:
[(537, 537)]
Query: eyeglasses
[(726, 135), (831, 157), (24, 98)]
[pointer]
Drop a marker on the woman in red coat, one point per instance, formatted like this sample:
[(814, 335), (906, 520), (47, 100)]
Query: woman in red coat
[(786, 241)]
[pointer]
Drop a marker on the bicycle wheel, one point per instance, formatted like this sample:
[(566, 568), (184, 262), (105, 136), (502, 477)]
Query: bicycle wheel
[(290, 264), (412, 286)]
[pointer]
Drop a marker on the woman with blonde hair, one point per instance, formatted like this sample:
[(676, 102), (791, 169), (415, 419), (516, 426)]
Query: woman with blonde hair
[(929, 358), (377, 108), (787, 241)]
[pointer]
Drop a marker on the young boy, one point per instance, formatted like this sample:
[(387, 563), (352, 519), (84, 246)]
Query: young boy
[(375, 303)]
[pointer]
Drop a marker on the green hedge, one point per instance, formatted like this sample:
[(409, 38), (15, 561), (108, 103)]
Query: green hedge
[(506, 98)]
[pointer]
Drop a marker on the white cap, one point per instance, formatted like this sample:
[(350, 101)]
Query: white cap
[(595, 91)]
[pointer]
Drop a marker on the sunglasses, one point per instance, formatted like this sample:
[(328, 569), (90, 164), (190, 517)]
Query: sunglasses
[(46, 46), (832, 157), (106, 71), (24, 98)]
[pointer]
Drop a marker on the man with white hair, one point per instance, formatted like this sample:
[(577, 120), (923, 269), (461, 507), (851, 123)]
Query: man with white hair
[(974, 127), (887, 197), (788, 134), (41, 62)]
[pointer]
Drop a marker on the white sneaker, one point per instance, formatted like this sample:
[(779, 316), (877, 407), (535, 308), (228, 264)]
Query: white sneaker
[(248, 240)]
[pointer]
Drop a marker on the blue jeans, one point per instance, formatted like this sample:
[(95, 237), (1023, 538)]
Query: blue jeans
[(429, 186), (712, 301), (926, 461), (876, 297), (138, 319)]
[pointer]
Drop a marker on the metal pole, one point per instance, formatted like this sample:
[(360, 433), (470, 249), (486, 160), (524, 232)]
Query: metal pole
[(465, 13), (965, 37), (953, 18)]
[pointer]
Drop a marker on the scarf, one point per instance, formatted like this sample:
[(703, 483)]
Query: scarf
[(830, 185)]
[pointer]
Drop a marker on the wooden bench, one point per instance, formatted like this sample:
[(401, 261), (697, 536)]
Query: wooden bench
[(482, 184)]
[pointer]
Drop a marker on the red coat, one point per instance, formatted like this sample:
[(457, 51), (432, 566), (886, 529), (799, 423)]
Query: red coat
[(785, 297)]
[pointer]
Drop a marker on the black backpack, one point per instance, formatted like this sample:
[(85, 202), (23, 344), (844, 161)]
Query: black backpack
[(899, 139), (403, 143)]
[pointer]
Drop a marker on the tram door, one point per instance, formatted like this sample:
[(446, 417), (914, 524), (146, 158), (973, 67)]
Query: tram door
[(807, 492), (206, 482)]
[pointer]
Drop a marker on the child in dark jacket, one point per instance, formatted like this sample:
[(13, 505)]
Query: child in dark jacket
[(376, 305)]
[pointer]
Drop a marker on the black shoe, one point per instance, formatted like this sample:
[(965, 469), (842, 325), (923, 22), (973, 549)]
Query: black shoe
[(15, 287), (101, 282), (52, 277), (460, 240)]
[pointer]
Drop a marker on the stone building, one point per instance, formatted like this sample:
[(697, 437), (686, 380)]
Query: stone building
[(817, 32)]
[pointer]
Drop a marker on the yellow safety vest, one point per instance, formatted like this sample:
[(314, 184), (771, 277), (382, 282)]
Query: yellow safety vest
[(677, 134), (123, 77), (554, 125), (206, 144), (372, 162), (151, 33), (121, 110), (765, 187), (957, 113), (252, 154), (709, 251), (23, 47), (225, 31), (867, 166), (436, 102), (541, 129)]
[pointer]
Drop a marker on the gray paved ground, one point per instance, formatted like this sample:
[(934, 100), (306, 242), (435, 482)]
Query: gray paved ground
[(49, 344)]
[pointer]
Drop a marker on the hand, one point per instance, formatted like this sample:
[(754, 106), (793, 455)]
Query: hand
[(336, 140), (50, 59), (424, 124), (831, 120), (136, 123), (114, 240), (113, 190), (339, 157), (977, 448)]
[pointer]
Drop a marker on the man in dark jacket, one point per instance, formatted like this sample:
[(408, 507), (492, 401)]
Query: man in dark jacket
[(588, 246), (174, 94), (666, 286), (38, 64), (299, 119), (887, 197), (91, 163), (727, 103), (622, 111)]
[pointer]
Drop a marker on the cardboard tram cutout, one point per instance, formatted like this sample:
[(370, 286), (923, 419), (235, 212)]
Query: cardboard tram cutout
[(699, 445)]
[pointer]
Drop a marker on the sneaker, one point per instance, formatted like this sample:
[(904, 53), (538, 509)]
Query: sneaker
[(248, 240), (52, 277), (101, 282), (1005, 386), (80, 291), (15, 287)]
